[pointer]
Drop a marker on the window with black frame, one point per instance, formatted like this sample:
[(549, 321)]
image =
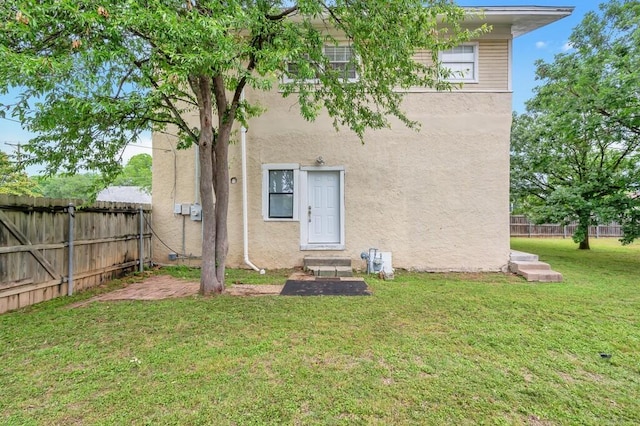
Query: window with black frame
[(281, 194)]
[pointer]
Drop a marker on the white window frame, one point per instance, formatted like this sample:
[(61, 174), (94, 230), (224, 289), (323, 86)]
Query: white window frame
[(266, 168), (457, 78), (286, 79)]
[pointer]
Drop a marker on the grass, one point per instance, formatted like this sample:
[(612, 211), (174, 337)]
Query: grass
[(424, 349)]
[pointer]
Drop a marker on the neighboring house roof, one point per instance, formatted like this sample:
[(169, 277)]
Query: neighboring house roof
[(124, 194)]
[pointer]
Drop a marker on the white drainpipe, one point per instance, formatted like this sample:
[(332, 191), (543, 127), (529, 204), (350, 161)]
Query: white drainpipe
[(245, 216)]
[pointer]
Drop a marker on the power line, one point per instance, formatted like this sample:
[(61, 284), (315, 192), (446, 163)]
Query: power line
[(148, 147), (11, 119)]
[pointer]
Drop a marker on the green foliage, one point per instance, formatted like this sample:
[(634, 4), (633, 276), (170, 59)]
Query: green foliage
[(80, 186), (575, 155), (137, 172), (234, 276), (85, 186), (98, 72), (15, 182)]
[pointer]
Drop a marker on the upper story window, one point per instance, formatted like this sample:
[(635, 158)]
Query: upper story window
[(462, 61), (341, 59)]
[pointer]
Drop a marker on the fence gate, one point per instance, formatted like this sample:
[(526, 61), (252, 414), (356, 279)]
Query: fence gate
[(107, 239)]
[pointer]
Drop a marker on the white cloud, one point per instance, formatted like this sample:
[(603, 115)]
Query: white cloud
[(541, 44), (567, 46)]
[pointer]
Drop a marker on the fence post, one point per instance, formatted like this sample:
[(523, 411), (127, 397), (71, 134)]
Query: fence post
[(141, 240), (72, 213), (564, 231), (528, 220), (598, 231)]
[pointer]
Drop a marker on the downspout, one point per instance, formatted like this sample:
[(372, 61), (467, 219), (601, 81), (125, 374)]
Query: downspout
[(245, 215)]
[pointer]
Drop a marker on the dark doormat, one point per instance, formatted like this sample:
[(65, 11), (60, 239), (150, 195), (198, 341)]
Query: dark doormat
[(324, 288)]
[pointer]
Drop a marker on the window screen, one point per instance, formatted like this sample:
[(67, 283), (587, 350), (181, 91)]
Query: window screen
[(281, 194)]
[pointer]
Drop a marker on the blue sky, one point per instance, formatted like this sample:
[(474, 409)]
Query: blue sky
[(543, 43)]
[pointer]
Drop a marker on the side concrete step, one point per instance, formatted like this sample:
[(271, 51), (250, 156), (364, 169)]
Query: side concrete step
[(322, 266), (518, 265), (537, 275), (522, 256), (528, 266)]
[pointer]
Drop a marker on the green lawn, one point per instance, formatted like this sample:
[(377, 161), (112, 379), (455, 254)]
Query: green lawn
[(424, 349)]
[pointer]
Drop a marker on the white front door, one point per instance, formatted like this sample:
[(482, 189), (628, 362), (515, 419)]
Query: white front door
[(323, 207)]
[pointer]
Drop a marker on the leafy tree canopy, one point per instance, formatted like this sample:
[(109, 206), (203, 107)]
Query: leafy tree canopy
[(137, 172), (15, 182), (98, 72), (575, 153), (83, 186)]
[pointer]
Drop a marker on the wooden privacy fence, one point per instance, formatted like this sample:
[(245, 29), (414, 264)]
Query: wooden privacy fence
[(48, 248), (522, 227)]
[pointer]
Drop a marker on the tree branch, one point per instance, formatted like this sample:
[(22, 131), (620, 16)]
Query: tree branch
[(220, 95), (169, 104), (282, 14)]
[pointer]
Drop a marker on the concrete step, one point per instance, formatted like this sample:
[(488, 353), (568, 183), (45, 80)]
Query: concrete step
[(344, 271), (528, 266), (521, 256), (310, 261), (516, 265), (330, 271), (538, 275)]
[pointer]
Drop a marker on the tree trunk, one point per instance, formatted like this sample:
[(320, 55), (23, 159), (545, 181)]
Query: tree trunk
[(584, 244), (209, 282), (222, 199)]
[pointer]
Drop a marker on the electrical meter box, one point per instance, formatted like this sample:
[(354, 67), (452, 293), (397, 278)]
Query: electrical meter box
[(196, 212)]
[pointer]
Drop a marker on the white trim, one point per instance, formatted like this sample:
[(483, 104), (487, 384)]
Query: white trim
[(304, 193), (476, 71), (265, 190), (307, 247), (510, 64), (464, 89), (323, 168)]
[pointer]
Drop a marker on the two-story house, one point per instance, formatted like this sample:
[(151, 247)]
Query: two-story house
[(437, 199)]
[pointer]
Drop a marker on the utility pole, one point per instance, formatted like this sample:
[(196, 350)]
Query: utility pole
[(18, 151)]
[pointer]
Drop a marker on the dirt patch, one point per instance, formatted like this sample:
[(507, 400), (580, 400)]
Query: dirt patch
[(253, 290), (159, 287)]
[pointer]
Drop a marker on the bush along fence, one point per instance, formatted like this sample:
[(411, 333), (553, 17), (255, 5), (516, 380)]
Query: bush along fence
[(522, 227), (50, 248)]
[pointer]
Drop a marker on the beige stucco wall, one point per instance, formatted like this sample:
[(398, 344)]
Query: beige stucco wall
[(437, 199)]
